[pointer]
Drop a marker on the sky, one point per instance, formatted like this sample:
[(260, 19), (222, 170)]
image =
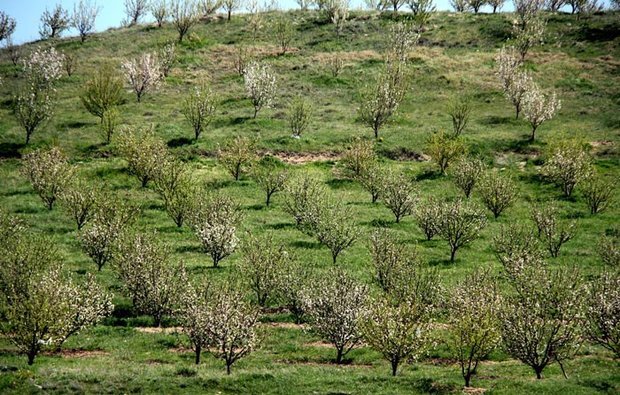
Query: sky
[(27, 13)]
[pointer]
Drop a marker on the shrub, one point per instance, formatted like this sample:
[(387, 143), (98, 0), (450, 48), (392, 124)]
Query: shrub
[(466, 172), (516, 246), (199, 109), (460, 223), (283, 31), (236, 155), (143, 74), (70, 63), (422, 11), (242, 58), (270, 178), (335, 64), (444, 149), (49, 173), (177, 189), (184, 14), (358, 157), (143, 266), (459, 110), (80, 199), (83, 18), (609, 249), (54, 23), (380, 101), (551, 230), (262, 264), (427, 215), (497, 192), (109, 123), (598, 193), (299, 113), (102, 92), (167, 56), (144, 152), (474, 321), (399, 195), (215, 222), (260, 85), (603, 311), (568, 164), (335, 306)]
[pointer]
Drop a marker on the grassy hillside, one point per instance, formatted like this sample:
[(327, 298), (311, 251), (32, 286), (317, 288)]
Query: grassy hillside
[(580, 60)]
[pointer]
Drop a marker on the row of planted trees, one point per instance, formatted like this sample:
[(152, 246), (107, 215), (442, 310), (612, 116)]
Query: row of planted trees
[(541, 316)]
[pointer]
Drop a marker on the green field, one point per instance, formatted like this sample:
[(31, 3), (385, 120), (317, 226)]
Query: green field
[(580, 60)]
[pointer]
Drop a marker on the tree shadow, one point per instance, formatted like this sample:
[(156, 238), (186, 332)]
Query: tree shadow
[(11, 150), (179, 142)]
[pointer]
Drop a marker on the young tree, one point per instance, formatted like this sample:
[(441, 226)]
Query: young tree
[(496, 4), (541, 321), (177, 189), (112, 218), (381, 100), (160, 11), (263, 261), (109, 123), (135, 9), (242, 58), (215, 223), (236, 155), (304, 196), (83, 17), (102, 92), (7, 26), (79, 199), (389, 256), (199, 109), (568, 164), (291, 286), (167, 56), (538, 107), (260, 85), (422, 11), (142, 263), (209, 7), (230, 6), (401, 40), (54, 23), (70, 63), (193, 315), (599, 192), (283, 31), (13, 51), (516, 246), (49, 173), (551, 230), (603, 311), (427, 215), (143, 74), (515, 82), (399, 195), (334, 228), (459, 5), (144, 152), (460, 223), (474, 323), (459, 110), (184, 14), (33, 107), (466, 173), (372, 179), (444, 149), (270, 178), (400, 332), (498, 192), (299, 113), (358, 158), (609, 249), (232, 325), (335, 306), (337, 12), (528, 28)]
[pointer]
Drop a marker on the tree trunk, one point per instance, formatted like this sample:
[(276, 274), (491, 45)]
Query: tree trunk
[(255, 112), (394, 366), (229, 12), (538, 373), (339, 355), (28, 134), (198, 350), (268, 199), (533, 135), (228, 367), (334, 256), (452, 254)]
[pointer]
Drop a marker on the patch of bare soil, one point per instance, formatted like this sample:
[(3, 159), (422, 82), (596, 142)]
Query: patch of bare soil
[(474, 390), (439, 361), (285, 325), (602, 147), (319, 344), (154, 329), (76, 353), (325, 364), (305, 157)]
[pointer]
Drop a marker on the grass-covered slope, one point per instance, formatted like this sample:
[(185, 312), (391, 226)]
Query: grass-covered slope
[(580, 60)]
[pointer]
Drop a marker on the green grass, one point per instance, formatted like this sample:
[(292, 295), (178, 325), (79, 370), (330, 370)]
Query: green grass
[(579, 61)]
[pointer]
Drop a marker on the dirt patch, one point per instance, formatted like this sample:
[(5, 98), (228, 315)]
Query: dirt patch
[(347, 57), (319, 344), (325, 364), (154, 329), (305, 157), (439, 361), (181, 350), (78, 353), (474, 390)]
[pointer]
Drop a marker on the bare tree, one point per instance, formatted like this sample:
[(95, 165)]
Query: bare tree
[(55, 22), (83, 17), (184, 15), (135, 9)]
